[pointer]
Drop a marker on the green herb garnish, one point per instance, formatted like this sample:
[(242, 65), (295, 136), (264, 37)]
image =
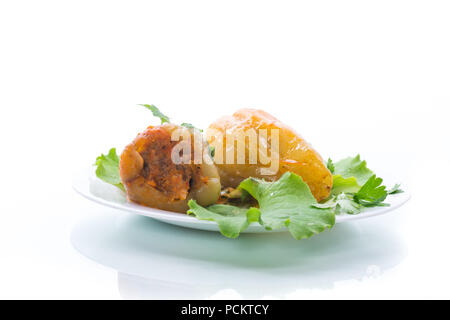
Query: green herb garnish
[(108, 168), (156, 112)]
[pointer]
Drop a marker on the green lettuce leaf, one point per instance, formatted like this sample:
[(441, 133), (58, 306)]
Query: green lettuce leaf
[(341, 184), (288, 202), (283, 203), (108, 168), (354, 187), (342, 203), (231, 220), (353, 167), (156, 112)]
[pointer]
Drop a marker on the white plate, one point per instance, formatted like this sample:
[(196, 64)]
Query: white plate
[(88, 185)]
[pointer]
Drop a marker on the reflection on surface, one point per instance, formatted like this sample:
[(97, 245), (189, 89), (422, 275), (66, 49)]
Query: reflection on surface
[(159, 261)]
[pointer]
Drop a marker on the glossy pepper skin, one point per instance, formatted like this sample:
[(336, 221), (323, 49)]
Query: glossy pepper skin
[(295, 154)]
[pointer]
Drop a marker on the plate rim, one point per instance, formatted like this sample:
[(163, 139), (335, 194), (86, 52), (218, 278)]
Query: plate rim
[(81, 177)]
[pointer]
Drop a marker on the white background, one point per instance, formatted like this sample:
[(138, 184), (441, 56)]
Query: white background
[(369, 77)]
